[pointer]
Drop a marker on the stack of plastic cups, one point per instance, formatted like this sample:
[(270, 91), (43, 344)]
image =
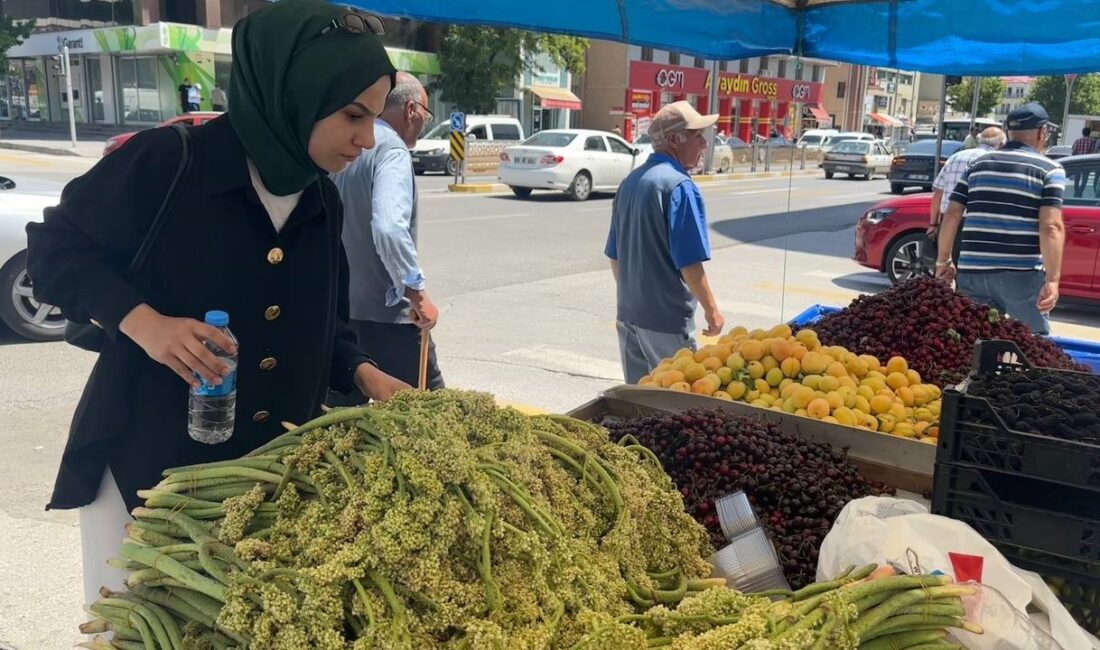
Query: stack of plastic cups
[(749, 563)]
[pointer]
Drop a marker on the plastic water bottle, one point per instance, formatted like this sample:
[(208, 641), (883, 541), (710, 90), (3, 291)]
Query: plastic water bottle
[(213, 408)]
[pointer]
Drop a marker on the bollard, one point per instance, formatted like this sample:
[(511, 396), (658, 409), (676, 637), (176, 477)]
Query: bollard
[(802, 165), (767, 158), (752, 167)]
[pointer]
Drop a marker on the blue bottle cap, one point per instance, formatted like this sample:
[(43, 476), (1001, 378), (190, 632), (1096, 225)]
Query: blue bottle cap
[(217, 318)]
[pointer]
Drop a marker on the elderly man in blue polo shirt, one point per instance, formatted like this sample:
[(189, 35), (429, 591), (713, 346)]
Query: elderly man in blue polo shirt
[(1013, 235), (657, 245)]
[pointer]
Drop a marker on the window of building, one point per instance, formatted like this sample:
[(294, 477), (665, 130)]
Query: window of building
[(763, 65), (841, 89), (743, 66), (647, 53), (139, 91), (722, 66), (674, 58), (819, 74), (781, 69), (798, 68), (700, 63)]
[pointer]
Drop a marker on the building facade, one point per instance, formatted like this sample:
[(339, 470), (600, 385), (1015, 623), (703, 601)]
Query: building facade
[(1016, 92), (929, 90), (844, 96), (891, 101), (130, 73), (625, 85)]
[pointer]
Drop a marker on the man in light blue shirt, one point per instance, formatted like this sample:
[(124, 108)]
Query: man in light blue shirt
[(388, 303), (657, 244)]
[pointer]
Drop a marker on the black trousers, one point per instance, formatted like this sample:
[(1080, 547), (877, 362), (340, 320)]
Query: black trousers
[(396, 350)]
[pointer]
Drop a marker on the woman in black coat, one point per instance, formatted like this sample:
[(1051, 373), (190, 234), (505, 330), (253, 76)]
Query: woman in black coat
[(254, 230)]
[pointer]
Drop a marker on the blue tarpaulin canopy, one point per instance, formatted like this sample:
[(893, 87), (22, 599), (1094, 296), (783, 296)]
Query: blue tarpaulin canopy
[(969, 37)]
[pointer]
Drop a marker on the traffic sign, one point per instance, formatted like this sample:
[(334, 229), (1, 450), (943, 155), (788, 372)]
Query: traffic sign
[(458, 121), (458, 145)]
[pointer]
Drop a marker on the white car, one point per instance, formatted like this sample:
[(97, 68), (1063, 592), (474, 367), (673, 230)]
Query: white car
[(858, 158), (575, 161), (21, 202)]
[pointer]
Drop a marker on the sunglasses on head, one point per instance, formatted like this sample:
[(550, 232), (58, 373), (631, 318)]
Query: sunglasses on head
[(352, 21)]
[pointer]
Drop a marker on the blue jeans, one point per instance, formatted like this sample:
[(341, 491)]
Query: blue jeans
[(641, 349), (1013, 293)]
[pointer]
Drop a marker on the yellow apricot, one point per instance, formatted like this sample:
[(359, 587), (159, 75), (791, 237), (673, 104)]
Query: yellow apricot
[(694, 372), (758, 334), (815, 363), (725, 375), (681, 386), (782, 330), (812, 381), (881, 404), (752, 350), (896, 380), (769, 362), (818, 408), (845, 416), (905, 394), (736, 389), (790, 367), (802, 396), (829, 383), (735, 362), (862, 404), (774, 376), (830, 419), (723, 395), (712, 363), (913, 376), (897, 364), (756, 369), (835, 400)]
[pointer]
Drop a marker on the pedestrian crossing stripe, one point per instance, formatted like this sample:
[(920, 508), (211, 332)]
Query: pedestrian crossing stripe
[(458, 145)]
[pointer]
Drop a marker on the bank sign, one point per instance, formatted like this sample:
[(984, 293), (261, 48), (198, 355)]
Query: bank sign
[(680, 80)]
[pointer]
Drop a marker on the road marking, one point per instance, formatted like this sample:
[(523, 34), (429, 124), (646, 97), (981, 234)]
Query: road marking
[(815, 292), (487, 217), (571, 362), (602, 208), (771, 191)]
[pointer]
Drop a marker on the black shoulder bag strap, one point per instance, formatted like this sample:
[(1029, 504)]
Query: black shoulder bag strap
[(90, 336)]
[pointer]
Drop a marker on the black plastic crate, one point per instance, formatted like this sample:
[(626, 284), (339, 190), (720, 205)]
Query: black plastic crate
[(971, 431), (1077, 584), (1020, 513)]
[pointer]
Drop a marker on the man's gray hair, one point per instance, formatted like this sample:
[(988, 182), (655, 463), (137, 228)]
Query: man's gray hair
[(674, 138), (407, 90), (994, 137)]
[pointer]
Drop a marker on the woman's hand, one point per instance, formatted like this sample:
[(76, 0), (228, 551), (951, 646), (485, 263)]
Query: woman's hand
[(178, 344), (376, 384)]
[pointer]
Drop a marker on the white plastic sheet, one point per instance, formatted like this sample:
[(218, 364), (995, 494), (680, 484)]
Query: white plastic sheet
[(904, 534)]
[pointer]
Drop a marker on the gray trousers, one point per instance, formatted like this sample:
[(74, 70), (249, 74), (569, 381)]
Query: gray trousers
[(1013, 293), (641, 349)]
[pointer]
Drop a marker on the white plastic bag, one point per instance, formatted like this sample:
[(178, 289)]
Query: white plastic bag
[(902, 532)]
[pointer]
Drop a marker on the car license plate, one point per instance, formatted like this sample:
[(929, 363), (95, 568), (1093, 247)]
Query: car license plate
[(525, 160), (415, 160), (842, 168), (919, 177)]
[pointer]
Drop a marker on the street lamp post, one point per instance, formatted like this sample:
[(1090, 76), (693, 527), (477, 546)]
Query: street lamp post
[(1070, 79), (67, 70)]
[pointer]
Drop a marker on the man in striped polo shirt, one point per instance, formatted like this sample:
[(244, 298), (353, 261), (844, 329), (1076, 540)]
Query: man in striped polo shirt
[(1012, 239)]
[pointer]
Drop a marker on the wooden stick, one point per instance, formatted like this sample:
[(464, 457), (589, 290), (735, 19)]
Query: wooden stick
[(424, 340)]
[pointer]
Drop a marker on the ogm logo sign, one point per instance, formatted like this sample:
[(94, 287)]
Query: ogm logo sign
[(670, 78), (800, 91)]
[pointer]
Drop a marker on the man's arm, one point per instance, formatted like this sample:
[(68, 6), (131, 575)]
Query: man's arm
[(392, 204), (695, 276), (945, 242), (934, 216), (615, 269), (1052, 238)]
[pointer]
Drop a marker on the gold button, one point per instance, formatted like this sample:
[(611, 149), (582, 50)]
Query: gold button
[(275, 255), (268, 363), (261, 416), (272, 312)]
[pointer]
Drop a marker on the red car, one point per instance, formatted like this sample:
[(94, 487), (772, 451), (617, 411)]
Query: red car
[(193, 119), (887, 235)]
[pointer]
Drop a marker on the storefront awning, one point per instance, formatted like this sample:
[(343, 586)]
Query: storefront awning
[(820, 114), (551, 97), (884, 120)]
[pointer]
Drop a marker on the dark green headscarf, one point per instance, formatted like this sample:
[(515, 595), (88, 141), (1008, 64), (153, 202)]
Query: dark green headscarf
[(275, 96)]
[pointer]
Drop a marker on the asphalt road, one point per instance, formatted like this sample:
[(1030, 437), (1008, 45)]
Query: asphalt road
[(528, 310)]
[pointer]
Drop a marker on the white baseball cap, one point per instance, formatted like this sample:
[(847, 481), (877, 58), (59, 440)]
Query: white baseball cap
[(676, 118)]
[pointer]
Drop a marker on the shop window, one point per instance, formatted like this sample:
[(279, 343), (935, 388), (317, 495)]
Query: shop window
[(647, 53), (743, 66), (139, 91), (841, 89), (674, 58), (781, 69)]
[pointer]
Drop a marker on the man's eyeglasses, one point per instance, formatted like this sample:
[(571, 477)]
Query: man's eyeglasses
[(429, 116), (352, 22)]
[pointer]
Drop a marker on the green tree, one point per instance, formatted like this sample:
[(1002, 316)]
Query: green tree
[(1050, 92), (11, 34), (961, 96), (479, 63)]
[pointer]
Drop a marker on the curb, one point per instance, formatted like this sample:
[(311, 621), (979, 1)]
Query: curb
[(737, 176), (33, 148), (477, 188)]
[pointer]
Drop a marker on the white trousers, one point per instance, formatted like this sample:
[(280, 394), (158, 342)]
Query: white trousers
[(102, 529)]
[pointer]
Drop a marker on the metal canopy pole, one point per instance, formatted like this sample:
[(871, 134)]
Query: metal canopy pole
[(713, 108), (939, 129)]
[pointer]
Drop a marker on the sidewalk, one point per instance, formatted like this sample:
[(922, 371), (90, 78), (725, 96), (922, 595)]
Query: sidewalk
[(54, 140), (488, 184)]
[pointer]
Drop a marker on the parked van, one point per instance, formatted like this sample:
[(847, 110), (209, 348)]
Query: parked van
[(432, 152), (814, 138)]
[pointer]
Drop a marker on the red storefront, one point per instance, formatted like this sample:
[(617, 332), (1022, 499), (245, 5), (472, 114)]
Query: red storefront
[(745, 102)]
